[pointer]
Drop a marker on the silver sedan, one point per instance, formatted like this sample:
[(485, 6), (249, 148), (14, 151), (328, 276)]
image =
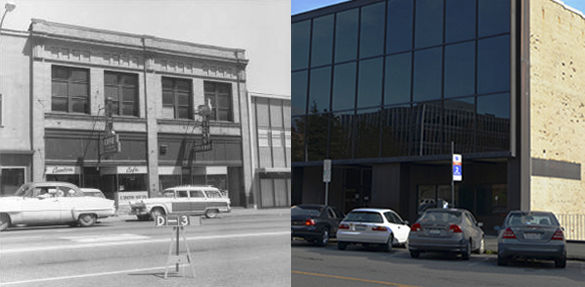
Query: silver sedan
[(446, 230), (534, 235)]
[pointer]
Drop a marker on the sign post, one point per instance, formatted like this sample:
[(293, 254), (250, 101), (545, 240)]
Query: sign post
[(178, 222), (326, 178), (457, 171)]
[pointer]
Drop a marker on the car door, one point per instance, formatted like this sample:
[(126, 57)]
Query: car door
[(476, 231), (181, 203), (332, 220), (399, 229), (39, 209), (198, 201)]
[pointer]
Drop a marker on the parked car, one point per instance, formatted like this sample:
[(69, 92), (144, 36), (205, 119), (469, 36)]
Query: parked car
[(446, 230), (372, 227), (46, 203), (187, 199), (314, 223), (93, 192), (534, 235)]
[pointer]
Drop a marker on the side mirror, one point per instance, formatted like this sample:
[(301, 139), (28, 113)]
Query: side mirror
[(497, 228), (480, 224), (405, 222)]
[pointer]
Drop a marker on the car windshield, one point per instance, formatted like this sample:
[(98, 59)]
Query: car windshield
[(364, 216), (23, 190), (517, 219), (441, 216), (311, 211)]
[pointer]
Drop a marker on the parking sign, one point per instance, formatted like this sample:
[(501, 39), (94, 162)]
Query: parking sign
[(457, 170)]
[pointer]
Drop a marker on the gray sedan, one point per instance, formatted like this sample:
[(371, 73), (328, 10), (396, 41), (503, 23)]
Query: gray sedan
[(534, 235), (446, 230)]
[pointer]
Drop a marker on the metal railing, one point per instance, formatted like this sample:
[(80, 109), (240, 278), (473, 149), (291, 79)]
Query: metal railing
[(574, 225)]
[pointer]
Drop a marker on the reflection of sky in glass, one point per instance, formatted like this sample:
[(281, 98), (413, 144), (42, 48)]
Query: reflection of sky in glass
[(498, 105), (319, 91), (322, 40), (299, 92), (344, 86), (370, 83)]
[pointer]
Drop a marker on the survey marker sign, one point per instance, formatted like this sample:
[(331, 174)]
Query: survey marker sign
[(457, 170)]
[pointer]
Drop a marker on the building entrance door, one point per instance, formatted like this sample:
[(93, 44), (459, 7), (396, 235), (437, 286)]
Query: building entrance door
[(357, 188)]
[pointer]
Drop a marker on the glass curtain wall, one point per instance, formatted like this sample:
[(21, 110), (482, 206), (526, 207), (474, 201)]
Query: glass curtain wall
[(401, 78)]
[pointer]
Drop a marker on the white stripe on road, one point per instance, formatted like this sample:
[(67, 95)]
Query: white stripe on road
[(106, 244), (105, 238), (85, 275)]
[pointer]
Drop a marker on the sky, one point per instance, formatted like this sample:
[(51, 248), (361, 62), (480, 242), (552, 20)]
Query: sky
[(299, 6), (261, 27)]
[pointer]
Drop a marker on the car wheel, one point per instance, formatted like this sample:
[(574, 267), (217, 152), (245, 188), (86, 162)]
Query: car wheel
[(4, 221), (341, 245), (561, 262), (502, 261), (414, 253), (324, 237), (156, 212), (481, 248), (466, 251), (211, 213), (388, 246), (86, 220)]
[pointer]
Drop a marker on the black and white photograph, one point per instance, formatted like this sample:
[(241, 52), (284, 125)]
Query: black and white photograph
[(145, 143), (438, 143)]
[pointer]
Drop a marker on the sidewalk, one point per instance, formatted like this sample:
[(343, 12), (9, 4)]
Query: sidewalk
[(575, 249), (236, 211)]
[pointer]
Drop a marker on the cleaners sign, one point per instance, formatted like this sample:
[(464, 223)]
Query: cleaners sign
[(457, 170)]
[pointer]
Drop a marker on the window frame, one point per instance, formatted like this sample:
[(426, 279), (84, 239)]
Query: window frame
[(70, 98), (176, 91), (120, 87), (214, 101)]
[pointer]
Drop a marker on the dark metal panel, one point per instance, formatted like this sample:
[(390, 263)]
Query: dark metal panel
[(555, 168)]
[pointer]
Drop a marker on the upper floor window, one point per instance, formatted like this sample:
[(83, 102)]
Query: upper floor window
[(70, 90), (177, 98), (220, 97), (122, 89)]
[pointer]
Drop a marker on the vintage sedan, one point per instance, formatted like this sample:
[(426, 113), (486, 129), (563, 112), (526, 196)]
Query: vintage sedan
[(531, 235), (314, 223), (47, 203), (186, 199), (446, 230), (372, 227)]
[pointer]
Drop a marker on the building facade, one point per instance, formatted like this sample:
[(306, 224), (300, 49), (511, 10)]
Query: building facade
[(385, 89), (123, 112)]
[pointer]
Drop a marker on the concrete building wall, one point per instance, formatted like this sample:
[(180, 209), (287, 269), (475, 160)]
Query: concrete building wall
[(557, 57)]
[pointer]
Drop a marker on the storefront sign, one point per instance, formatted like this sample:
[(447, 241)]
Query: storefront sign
[(125, 198), (61, 169), (133, 169), (111, 144)]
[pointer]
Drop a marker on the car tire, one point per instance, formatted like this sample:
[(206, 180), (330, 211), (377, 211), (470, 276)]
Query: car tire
[(324, 237), (467, 251), (502, 261), (414, 253), (155, 212), (481, 248), (561, 262), (5, 221), (388, 246), (211, 213), (87, 220), (342, 245)]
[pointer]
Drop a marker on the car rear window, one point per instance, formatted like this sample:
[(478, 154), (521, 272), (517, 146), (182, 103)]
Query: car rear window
[(441, 216), (531, 219), (310, 211), (364, 216)]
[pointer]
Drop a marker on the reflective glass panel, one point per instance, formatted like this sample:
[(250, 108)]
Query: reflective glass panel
[(300, 40), (398, 79), (395, 130), (320, 88), (493, 65), (459, 70), (344, 86), (370, 83), (346, 35), (429, 23), (322, 46), (459, 20), (427, 74), (493, 123), (459, 124), (372, 30), (368, 133), (426, 128), (342, 134), (297, 138), (494, 17), (299, 92), (317, 136), (400, 25)]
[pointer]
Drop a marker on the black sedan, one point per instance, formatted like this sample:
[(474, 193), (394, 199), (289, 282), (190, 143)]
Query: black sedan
[(314, 223)]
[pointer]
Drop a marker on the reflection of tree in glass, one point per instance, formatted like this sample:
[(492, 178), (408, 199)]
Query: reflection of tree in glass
[(313, 134)]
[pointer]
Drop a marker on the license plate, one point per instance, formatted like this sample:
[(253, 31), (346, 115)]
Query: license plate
[(532, 236), (435, 232), (360, 227)]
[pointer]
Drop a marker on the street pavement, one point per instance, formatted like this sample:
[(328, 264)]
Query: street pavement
[(236, 211)]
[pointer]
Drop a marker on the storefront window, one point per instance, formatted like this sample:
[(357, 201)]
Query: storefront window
[(132, 182), (12, 179)]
